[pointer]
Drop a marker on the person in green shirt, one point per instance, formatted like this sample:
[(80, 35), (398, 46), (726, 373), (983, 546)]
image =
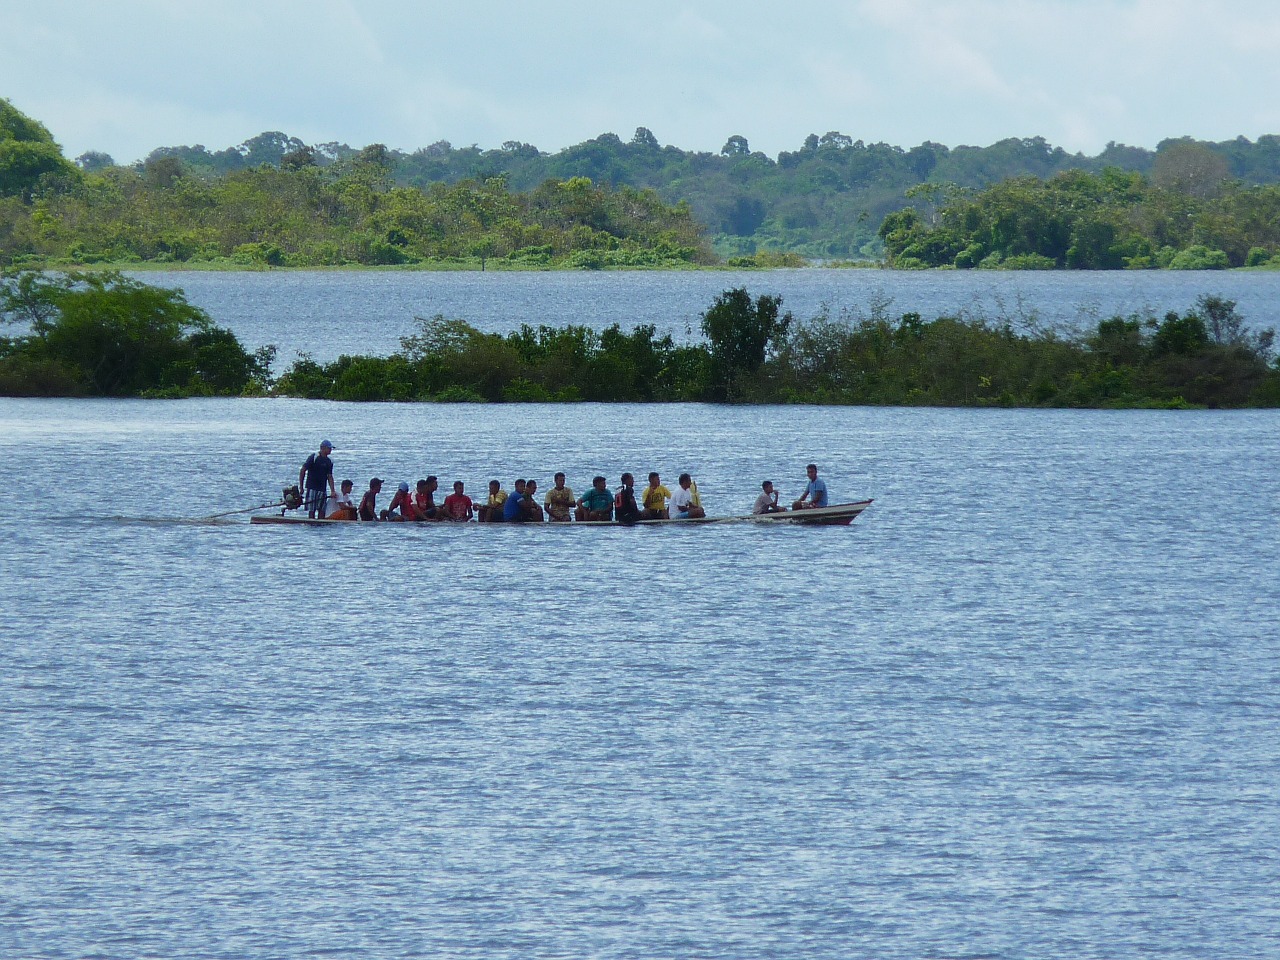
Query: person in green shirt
[(597, 503)]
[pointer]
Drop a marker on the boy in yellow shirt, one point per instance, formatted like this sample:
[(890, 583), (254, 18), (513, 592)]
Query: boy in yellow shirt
[(491, 510), (655, 499)]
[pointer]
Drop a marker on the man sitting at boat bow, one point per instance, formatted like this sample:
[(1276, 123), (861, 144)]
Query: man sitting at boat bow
[(815, 492)]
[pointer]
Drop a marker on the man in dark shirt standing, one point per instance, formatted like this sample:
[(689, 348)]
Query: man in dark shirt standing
[(315, 474)]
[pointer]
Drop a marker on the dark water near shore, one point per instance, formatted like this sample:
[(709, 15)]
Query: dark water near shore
[(1025, 706), (330, 313)]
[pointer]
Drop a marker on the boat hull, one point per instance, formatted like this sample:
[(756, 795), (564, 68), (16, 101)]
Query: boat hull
[(839, 514)]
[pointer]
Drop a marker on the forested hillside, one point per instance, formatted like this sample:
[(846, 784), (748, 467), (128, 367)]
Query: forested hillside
[(825, 199), (297, 212), (275, 200), (1082, 221)]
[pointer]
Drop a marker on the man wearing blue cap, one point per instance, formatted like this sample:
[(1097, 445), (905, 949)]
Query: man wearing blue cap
[(313, 477)]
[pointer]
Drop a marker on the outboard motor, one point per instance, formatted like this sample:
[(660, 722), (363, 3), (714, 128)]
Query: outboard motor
[(291, 497)]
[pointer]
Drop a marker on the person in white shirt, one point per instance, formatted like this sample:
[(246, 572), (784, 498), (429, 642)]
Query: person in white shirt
[(685, 502), (767, 502), (342, 507)]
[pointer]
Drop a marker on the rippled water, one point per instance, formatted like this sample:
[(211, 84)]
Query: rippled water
[(354, 312), (1025, 706)]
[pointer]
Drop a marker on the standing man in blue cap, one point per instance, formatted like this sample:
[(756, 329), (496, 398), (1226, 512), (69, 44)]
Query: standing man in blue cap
[(314, 475)]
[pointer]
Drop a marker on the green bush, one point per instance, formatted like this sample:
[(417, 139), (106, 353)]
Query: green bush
[(106, 335), (1199, 257), (1204, 357), (1028, 261)]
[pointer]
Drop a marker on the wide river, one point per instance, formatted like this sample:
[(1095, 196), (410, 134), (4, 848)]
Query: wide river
[(327, 313), (1024, 707)]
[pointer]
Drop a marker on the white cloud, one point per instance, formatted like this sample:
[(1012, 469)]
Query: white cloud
[(1078, 72)]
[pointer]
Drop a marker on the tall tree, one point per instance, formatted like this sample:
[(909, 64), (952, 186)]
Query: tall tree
[(27, 153)]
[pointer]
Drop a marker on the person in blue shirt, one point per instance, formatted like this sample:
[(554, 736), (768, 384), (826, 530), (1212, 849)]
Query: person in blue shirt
[(315, 476), (815, 493), (513, 506)]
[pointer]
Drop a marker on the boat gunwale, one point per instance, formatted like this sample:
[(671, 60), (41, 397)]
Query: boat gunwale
[(836, 513)]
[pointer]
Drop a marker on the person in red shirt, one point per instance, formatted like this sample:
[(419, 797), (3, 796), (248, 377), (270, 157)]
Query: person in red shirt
[(424, 500), (401, 502), (457, 505)]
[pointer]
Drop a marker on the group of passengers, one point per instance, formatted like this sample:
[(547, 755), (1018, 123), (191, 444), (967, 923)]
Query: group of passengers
[(521, 505)]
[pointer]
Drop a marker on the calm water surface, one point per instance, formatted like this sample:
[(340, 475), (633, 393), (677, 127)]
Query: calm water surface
[(1024, 707), (327, 313)]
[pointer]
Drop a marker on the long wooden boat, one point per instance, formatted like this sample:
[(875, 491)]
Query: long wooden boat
[(838, 514)]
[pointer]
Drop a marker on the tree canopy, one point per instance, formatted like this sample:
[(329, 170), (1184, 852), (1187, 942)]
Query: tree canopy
[(28, 154), (103, 334), (273, 199), (1077, 220)]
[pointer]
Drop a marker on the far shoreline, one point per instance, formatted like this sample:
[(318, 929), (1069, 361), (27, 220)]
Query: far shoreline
[(153, 266)]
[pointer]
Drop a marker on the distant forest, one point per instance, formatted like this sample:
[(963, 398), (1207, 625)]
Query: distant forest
[(274, 200), (825, 200)]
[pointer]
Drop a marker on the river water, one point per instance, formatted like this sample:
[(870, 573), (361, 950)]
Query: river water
[(1025, 706), (327, 313)]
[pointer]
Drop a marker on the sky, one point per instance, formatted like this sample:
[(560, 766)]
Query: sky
[(131, 75)]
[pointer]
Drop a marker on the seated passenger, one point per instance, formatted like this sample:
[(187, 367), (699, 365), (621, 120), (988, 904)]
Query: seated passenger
[(767, 502), (532, 509), (424, 500), (685, 502), (625, 508), (457, 505), (655, 499), (815, 492), (491, 510), (559, 501), (401, 506), (342, 507), (597, 503), (513, 507), (369, 502)]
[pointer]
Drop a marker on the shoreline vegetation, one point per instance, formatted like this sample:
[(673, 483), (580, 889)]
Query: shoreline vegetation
[(101, 334), (275, 202)]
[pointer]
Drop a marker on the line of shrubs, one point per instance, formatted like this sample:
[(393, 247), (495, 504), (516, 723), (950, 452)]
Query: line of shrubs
[(1204, 357), (107, 335)]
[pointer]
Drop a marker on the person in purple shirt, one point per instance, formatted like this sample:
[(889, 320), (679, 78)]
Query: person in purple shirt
[(815, 493)]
